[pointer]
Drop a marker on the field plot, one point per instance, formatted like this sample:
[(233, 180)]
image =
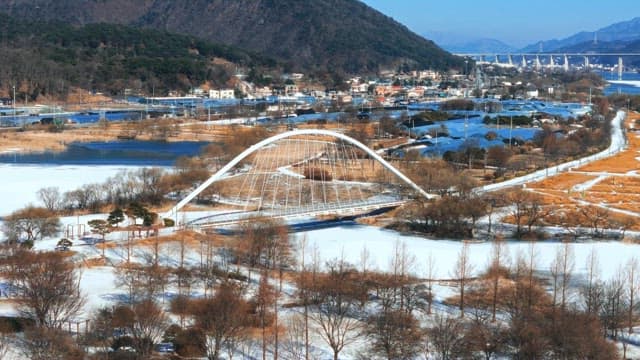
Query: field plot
[(623, 162), (610, 184)]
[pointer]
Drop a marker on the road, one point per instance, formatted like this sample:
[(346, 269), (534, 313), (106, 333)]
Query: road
[(618, 143)]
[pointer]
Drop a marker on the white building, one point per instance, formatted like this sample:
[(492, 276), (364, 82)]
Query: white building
[(222, 94)]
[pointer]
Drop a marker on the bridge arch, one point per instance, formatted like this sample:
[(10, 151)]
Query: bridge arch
[(218, 175)]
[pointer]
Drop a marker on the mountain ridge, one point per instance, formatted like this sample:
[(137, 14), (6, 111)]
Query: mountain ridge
[(624, 31), (462, 44), (324, 35)]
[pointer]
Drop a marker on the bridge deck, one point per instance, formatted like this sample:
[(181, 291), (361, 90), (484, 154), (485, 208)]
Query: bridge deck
[(352, 208)]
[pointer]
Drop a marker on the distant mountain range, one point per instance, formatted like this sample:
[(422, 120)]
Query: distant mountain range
[(319, 36), (613, 37), (459, 44)]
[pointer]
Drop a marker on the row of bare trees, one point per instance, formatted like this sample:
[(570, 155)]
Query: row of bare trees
[(510, 309), (456, 212)]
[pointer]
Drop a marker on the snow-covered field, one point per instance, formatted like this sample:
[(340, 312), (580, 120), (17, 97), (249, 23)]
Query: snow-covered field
[(20, 183), (350, 242)]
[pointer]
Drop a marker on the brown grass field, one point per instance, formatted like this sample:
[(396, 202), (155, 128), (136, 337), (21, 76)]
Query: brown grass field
[(619, 191)]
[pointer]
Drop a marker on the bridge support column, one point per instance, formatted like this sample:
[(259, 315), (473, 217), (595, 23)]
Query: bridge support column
[(566, 63), (586, 62), (620, 67), (497, 59), (524, 61), (552, 62), (510, 59), (538, 64)]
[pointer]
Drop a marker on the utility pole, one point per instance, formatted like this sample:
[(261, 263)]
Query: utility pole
[(466, 125), (14, 103), (510, 131)]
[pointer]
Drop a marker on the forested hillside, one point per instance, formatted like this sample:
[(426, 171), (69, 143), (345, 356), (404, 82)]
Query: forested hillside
[(47, 58), (320, 36)]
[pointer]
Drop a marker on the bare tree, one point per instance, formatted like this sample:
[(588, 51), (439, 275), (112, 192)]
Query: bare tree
[(5, 340), (487, 337), (47, 284), (446, 337), (265, 301), (402, 264), (497, 269), (51, 198), (263, 242), (633, 283), (221, 317), (43, 343), (29, 224), (293, 344), (615, 307), (462, 272), (527, 209), (431, 272), (306, 282), (336, 299), (145, 321), (593, 291), (596, 217), (561, 271), (100, 332), (394, 334)]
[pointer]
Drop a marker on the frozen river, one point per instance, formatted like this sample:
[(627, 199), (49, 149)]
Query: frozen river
[(350, 243)]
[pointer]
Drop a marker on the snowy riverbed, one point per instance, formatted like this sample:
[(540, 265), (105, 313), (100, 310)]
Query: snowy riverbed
[(20, 183), (350, 241)]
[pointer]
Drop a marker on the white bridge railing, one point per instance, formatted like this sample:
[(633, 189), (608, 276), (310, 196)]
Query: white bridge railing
[(344, 209)]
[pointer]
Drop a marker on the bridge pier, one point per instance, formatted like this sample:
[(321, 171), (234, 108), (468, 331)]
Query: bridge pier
[(524, 61), (566, 63), (586, 62), (510, 59), (538, 65), (620, 67), (552, 62)]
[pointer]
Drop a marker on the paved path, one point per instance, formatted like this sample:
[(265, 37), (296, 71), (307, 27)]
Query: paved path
[(618, 143)]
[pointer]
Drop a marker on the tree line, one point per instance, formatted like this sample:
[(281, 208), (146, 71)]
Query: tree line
[(511, 308), (48, 58)]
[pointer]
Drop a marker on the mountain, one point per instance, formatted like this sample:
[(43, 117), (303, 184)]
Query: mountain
[(625, 31), (462, 44), (321, 35), (478, 46), (49, 58)]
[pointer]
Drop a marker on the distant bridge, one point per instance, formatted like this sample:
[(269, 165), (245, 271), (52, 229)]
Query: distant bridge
[(535, 60), (530, 54), (301, 173)]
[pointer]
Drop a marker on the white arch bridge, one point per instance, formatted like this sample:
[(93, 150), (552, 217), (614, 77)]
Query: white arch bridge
[(301, 173)]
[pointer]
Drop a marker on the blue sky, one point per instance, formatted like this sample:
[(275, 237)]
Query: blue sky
[(515, 22)]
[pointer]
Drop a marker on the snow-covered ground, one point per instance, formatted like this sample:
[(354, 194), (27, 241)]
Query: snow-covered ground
[(350, 242), (20, 183)]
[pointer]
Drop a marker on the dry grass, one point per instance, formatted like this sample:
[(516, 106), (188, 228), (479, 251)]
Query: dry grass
[(626, 160), (562, 181), (617, 192)]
